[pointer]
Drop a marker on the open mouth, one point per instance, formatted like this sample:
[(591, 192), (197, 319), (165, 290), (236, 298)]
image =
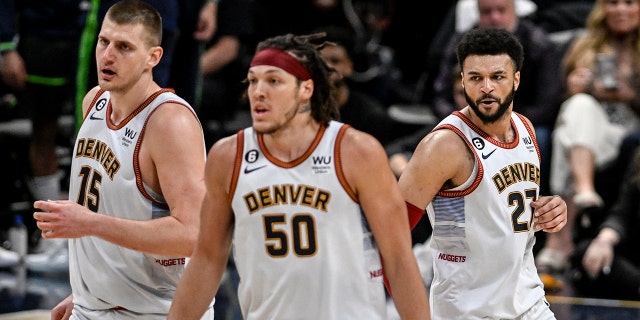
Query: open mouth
[(488, 102)]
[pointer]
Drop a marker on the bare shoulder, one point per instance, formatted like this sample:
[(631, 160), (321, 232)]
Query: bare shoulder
[(442, 149), (224, 149), (174, 115), (363, 159), (358, 146), (173, 126), (443, 141), (441, 160), (86, 101), (221, 160)]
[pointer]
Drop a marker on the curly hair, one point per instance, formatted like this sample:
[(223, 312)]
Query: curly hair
[(490, 41)]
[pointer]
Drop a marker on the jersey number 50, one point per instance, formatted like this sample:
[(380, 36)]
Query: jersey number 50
[(300, 231)]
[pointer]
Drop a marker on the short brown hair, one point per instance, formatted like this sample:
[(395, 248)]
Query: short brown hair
[(129, 12)]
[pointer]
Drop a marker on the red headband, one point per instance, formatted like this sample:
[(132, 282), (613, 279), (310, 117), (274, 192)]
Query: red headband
[(278, 58)]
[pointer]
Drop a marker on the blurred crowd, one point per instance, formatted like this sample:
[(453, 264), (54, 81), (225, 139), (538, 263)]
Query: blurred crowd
[(580, 88)]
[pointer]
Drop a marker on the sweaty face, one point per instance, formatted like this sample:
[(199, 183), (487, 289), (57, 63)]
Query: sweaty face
[(489, 84), (122, 56)]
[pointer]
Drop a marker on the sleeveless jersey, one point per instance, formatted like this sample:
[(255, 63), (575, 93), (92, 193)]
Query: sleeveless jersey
[(301, 244), (105, 177), (483, 232)]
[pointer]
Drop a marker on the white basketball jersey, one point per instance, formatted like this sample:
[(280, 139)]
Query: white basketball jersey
[(302, 246), (483, 232), (105, 177)]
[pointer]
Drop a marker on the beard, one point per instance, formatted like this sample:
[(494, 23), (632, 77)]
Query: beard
[(490, 118)]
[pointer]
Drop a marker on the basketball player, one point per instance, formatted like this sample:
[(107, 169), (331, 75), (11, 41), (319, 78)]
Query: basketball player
[(477, 174), (136, 181), (310, 205)]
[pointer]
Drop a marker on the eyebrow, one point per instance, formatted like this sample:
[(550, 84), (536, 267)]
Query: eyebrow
[(494, 72)]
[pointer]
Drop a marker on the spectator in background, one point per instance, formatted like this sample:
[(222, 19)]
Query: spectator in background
[(368, 20), (223, 65), (608, 265), (41, 70), (539, 94), (467, 12), (39, 47), (413, 33), (272, 17), (357, 108), (600, 110)]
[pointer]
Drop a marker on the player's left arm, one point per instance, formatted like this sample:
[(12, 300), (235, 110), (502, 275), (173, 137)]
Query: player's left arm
[(172, 158), (175, 144), (549, 213), (368, 173)]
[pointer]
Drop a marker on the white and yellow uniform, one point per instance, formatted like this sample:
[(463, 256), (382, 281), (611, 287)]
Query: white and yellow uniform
[(107, 280), (483, 232), (301, 242)]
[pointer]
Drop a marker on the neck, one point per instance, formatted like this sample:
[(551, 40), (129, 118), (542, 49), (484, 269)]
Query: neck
[(293, 140), (123, 102)]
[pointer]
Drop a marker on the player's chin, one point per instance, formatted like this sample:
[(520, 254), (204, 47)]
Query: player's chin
[(106, 85)]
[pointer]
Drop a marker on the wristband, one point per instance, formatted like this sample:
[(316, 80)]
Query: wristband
[(7, 46), (415, 214)]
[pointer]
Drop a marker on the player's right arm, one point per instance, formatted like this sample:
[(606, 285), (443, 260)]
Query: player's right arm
[(441, 161), (209, 259)]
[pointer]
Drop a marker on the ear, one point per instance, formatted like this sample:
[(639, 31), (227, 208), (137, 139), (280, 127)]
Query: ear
[(155, 54), (306, 89), (516, 80)]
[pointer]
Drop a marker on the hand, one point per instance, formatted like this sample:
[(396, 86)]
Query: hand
[(549, 213), (62, 311), (62, 219), (623, 93), (598, 257), (14, 73), (579, 80), (207, 22)]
